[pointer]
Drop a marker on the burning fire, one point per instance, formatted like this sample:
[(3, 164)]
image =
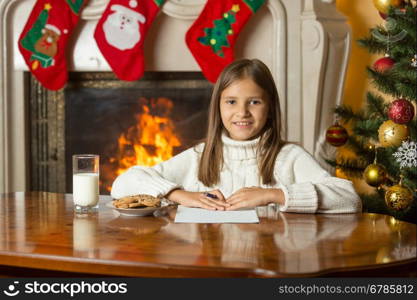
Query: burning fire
[(150, 141)]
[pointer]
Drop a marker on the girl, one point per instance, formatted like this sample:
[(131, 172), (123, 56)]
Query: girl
[(243, 162)]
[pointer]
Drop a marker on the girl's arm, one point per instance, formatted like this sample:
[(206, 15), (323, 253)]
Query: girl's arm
[(255, 196), (158, 180), (313, 189), (142, 180)]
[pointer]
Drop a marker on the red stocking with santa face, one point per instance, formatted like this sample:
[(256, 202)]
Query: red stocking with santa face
[(120, 35), (44, 38), (212, 36)]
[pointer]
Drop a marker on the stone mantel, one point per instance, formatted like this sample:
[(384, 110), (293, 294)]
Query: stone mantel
[(306, 44)]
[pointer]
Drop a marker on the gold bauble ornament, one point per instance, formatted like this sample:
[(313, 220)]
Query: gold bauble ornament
[(398, 197), (375, 174), (383, 5), (391, 134), (370, 147)]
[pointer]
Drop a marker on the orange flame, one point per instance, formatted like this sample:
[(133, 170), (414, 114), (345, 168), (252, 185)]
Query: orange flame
[(150, 141)]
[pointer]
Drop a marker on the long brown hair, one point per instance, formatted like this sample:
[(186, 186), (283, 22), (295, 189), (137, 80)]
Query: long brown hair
[(270, 143)]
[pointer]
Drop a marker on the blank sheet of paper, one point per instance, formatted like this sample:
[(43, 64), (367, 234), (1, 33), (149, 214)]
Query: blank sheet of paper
[(200, 215)]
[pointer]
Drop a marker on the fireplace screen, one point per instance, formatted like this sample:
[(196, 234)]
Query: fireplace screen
[(127, 123)]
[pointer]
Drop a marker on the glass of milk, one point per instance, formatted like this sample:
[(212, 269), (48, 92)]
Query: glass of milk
[(85, 175)]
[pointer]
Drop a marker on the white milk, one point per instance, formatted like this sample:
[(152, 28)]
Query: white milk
[(85, 189)]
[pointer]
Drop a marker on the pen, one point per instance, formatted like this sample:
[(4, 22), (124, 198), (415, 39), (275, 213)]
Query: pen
[(211, 195)]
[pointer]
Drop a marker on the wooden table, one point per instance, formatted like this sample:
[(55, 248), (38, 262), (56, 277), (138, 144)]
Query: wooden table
[(41, 236)]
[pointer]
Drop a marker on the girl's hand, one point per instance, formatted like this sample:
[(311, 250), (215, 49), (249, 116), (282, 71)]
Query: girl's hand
[(199, 199), (254, 196)]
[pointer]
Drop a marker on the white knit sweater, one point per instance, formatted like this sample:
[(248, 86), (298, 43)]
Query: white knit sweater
[(307, 187)]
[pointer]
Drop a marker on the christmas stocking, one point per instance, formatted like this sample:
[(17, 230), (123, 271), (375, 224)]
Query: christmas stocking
[(44, 39), (212, 36), (120, 34)]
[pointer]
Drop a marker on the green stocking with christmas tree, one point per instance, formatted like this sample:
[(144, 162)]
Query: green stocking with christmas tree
[(44, 38), (212, 36)]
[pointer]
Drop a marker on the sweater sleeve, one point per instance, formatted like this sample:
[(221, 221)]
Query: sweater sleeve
[(156, 181), (312, 189)]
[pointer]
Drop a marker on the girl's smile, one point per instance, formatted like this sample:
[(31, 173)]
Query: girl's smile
[(243, 125), (243, 109)]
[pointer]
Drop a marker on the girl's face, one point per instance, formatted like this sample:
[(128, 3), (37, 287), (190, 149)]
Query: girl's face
[(244, 109)]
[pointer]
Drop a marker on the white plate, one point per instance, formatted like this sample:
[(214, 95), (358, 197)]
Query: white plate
[(134, 212)]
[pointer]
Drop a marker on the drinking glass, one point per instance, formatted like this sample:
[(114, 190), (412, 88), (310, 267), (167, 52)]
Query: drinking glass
[(85, 182)]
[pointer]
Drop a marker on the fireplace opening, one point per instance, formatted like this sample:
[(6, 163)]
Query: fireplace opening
[(127, 123)]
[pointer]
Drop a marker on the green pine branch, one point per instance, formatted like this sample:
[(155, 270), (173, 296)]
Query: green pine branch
[(405, 90), (383, 82), (350, 166), (405, 20), (376, 105), (368, 128), (373, 45), (404, 72), (386, 158), (373, 203), (347, 114), (359, 146), (409, 27), (398, 50), (398, 82), (410, 178)]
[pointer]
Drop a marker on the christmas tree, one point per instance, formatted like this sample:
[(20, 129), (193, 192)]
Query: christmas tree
[(216, 37), (383, 133)]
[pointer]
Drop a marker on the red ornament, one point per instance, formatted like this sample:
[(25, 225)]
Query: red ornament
[(401, 111), (384, 16), (384, 64), (336, 135)]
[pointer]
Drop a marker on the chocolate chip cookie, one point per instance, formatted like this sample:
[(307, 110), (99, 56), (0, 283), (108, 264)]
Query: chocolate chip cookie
[(137, 201)]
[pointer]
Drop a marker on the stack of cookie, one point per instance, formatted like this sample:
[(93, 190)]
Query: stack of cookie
[(137, 201)]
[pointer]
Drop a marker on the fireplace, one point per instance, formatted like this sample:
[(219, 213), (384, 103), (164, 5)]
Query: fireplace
[(305, 43), (127, 123)]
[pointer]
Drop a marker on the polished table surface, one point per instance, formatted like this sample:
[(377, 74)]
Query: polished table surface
[(40, 235)]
